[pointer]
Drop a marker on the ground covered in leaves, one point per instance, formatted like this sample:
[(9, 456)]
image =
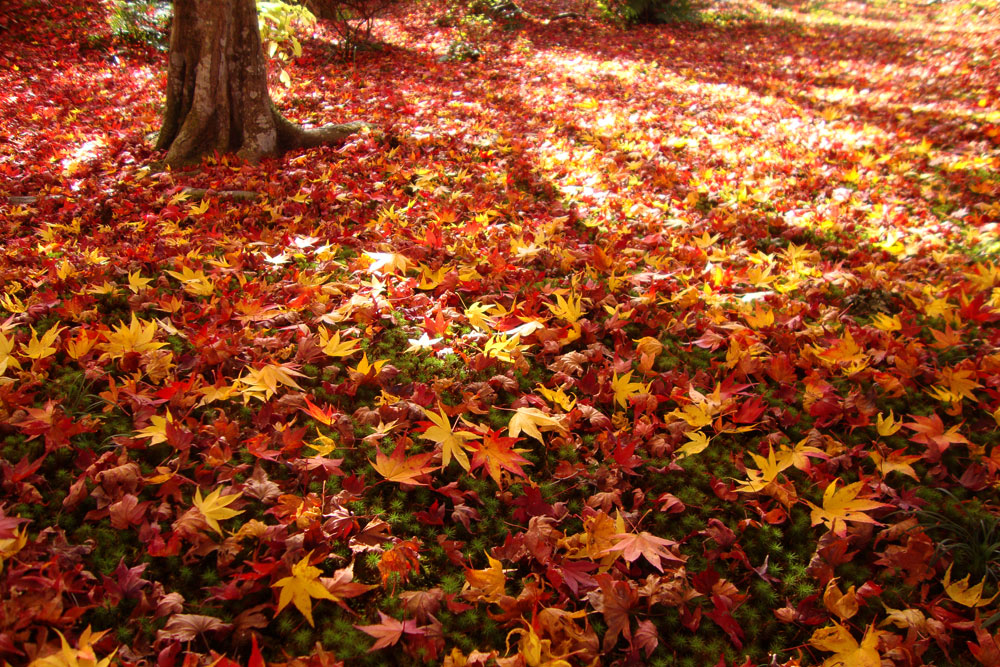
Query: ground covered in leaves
[(667, 345)]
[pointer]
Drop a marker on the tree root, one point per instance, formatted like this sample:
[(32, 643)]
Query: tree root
[(292, 136), (197, 194)]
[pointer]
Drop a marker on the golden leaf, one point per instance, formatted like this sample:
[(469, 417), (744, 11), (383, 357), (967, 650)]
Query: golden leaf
[(532, 421), (625, 390), (841, 506), (964, 594), (844, 605), (452, 442), (301, 587), (214, 507), (887, 425), (848, 652), (41, 348), (485, 585)]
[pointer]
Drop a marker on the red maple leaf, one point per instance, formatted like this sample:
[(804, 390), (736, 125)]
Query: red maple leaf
[(614, 599)]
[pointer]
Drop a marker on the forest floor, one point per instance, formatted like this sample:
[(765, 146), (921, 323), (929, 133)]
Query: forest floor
[(664, 345)]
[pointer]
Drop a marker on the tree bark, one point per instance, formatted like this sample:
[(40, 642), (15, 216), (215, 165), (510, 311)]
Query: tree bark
[(217, 97)]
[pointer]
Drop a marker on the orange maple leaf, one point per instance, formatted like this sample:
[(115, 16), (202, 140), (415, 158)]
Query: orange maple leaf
[(400, 468), (930, 431), (485, 585), (496, 454), (654, 549)]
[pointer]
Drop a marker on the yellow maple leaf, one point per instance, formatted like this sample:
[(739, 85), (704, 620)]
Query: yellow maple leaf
[(531, 647), (887, 425), (625, 390), (213, 393), (10, 546), (648, 346), (504, 347), (695, 414), (761, 317), (76, 347), (477, 316), (844, 605), (195, 283), (904, 619), (452, 442), (845, 350), (323, 446), (137, 283), (364, 367), (262, 383), (12, 304), (199, 209), (570, 309), (964, 594), (848, 652), (103, 288), (798, 455), (896, 462), (388, 262), (923, 148), (599, 535), (41, 348), (136, 337), (300, 587), (706, 241), (7, 360), (431, 278), (215, 507), (697, 443), (65, 270), (425, 342), (957, 385), (157, 429), (557, 397), (81, 656), (332, 346), (841, 506), (532, 422), (884, 322), (95, 257), (769, 468)]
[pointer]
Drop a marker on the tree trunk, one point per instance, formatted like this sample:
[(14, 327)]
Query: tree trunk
[(217, 97)]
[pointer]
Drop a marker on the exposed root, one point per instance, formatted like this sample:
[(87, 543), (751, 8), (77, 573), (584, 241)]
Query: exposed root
[(292, 136)]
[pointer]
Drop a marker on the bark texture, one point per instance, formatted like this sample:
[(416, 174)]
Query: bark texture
[(217, 97)]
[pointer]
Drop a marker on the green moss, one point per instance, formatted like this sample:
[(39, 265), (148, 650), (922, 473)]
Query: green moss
[(284, 624), (302, 640), (124, 634), (452, 583)]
